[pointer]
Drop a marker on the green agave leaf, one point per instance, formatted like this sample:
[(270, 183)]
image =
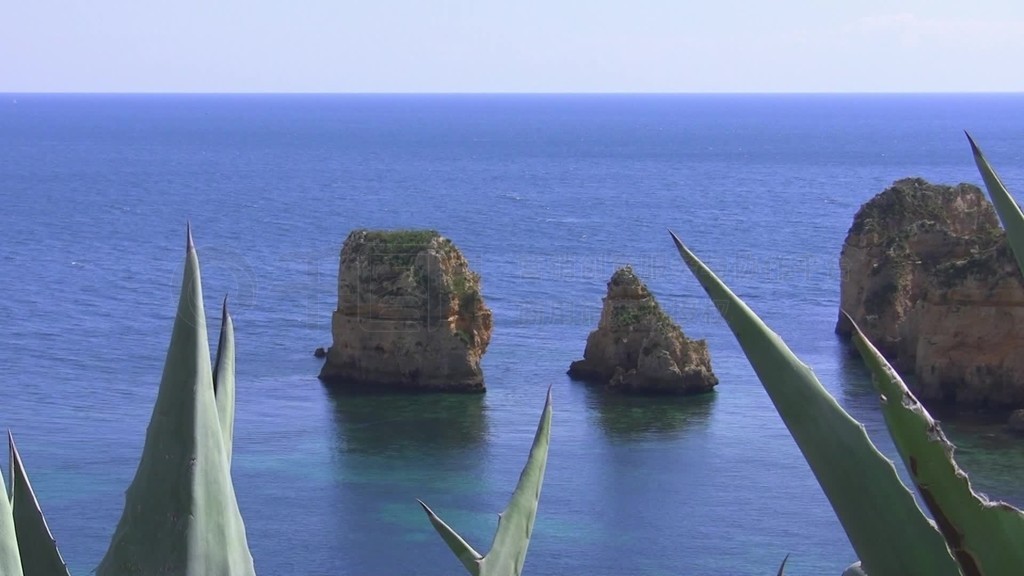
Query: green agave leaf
[(987, 538), (888, 531), (1007, 209), (180, 514), (224, 379), (469, 557), (38, 549), (515, 524), (10, 558)]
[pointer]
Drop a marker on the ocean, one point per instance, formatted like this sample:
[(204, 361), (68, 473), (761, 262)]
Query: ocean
[(545, 195)]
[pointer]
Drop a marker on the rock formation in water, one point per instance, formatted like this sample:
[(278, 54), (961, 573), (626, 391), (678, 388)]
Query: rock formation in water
[(928, 276), (410, 315), (637, 348)]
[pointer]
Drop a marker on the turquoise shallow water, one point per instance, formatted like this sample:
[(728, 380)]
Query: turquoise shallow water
[(545, 195)]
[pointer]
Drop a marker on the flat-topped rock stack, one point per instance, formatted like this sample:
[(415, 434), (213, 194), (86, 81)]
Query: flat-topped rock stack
[(410, 315)]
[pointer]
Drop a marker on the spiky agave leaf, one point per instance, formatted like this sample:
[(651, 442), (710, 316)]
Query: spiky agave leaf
[(10, 558), (888, 530), (1007, 209), (180, 514), (987, 538), (469, 557), (224, 379), (36, 545), (515, 524)]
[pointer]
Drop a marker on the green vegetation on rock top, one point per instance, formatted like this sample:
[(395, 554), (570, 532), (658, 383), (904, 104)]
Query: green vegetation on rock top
[(914, 199), (399, 248), (406, 238)]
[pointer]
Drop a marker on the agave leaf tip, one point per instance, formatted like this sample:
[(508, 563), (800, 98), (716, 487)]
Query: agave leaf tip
[(974, 146), (684, 251), (224, 308), (189, 245), (12, 450), (14, 455)]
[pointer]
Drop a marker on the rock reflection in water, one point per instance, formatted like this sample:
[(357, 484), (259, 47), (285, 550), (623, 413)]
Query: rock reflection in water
[(369, 422), (625, 417)]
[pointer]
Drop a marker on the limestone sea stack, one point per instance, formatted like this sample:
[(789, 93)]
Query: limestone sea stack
[(637, 348), (410, 315), (929, 277)]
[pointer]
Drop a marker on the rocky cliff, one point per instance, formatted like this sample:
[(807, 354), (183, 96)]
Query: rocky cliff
[(929, 277), (410, 315), (638, 348)]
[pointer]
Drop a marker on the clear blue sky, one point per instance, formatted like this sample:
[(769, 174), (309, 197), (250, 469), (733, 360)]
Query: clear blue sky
[(511, 46)]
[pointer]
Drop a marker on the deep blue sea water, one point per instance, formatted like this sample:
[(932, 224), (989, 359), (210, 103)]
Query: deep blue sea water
[(545, 195)]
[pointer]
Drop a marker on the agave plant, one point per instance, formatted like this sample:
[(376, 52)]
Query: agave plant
[(892, 536), (26, 545), (515, 525), (180, 515)]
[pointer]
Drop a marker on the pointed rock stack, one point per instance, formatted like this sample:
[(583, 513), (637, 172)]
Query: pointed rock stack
[(637, 348)]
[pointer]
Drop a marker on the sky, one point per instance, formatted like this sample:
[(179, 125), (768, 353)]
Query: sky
[(511, 46)]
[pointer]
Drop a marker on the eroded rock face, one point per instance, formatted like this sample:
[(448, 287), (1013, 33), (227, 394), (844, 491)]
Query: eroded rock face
[(929, 278), (410, 315), (637, 348)]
